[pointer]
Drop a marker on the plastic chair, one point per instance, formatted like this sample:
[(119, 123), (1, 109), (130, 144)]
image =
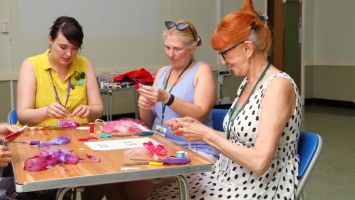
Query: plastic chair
[(217, 118), (309, 148), (12, 117)]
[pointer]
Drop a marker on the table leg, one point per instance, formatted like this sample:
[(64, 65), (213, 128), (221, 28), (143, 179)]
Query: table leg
[(183, 186), (107, 106), (136, 109), (110, 106)]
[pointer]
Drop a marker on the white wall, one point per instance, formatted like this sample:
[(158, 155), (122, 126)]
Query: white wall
[(334, 31), (120, 35), (330, 49)]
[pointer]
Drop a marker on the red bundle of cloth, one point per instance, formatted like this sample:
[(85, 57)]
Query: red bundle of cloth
[(136, 76)]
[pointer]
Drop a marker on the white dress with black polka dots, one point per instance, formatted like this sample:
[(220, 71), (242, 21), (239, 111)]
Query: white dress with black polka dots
[(236, 182)]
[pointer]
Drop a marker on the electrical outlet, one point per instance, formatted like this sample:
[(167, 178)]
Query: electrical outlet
[(224, 72), (4, 26)]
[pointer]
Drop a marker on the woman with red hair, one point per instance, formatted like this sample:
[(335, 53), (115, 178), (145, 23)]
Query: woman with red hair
[(258, 158)]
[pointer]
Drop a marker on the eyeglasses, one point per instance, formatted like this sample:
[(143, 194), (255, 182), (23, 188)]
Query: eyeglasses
[(181, 27), (223, 53)]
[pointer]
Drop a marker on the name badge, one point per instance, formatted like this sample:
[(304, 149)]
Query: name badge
[(224, 164), (161, 130)]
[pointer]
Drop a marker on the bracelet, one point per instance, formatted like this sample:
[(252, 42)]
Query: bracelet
[(171, 100)]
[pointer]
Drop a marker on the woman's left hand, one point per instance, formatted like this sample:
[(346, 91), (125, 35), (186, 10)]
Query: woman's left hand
[(188, 127), (5, 156), (82, 111)]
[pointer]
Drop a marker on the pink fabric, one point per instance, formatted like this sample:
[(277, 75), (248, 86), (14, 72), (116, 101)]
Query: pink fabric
[(68, 123), (47, 159), (158, 150), (125, 125)]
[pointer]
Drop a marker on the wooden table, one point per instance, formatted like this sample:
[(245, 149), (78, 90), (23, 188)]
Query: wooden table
[(109, 170)]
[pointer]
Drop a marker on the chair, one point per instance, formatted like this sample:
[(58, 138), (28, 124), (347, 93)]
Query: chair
[(12, 117), (217, 118), (309, 148)]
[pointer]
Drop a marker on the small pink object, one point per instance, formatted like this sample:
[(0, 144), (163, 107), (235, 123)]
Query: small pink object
[(138, 86), (158, 149), (91, 125), (63, 123)]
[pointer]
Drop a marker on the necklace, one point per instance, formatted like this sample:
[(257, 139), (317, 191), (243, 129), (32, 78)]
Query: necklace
[(55, 90), (171, 88), (234, 112)]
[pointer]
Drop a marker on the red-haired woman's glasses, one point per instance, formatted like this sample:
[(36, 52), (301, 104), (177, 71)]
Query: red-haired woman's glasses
[(181, 27), (223, 53)]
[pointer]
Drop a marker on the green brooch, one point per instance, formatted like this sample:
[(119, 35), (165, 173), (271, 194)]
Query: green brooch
[(78, 80)]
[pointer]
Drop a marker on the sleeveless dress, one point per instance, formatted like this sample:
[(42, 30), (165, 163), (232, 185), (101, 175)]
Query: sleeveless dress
[(236, 182), (45, 94), (185, 90)]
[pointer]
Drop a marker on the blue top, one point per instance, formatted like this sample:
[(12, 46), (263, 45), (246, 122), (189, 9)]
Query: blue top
[(185, 90)]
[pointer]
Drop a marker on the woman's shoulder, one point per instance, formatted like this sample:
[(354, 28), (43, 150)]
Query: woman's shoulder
[(281, 82), (203, 67), (39, 57)]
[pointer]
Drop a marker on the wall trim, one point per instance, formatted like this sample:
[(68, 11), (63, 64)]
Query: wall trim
[(331, 103)]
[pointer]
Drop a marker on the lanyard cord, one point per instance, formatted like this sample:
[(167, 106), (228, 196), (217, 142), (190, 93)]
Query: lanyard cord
[(233, 113), (55, 90), (171, 88)]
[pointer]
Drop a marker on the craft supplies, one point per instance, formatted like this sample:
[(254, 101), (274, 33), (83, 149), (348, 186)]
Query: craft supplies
[(61, 140), (143, 133), (47, 159), (150, 163), (92, 127), (68, 123), (174, 160), (155, 149), (87, 139), (139, 85), (180, 154), (169, 160), (13, 135)]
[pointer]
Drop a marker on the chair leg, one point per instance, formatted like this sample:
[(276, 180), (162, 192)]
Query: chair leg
[(78, 193)]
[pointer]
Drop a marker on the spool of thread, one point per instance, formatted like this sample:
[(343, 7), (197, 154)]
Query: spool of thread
[(180, 154), (92, 127)]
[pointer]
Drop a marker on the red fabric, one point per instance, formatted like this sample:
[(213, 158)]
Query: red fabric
[(136, 76)]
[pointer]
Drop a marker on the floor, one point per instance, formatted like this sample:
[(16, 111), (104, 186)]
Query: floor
[(333, 176)]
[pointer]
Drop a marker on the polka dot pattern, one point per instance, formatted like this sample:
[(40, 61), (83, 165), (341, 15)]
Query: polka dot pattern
[(235, 181)]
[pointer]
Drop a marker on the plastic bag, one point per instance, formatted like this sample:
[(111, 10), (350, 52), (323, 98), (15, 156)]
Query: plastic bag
[(124, 125)]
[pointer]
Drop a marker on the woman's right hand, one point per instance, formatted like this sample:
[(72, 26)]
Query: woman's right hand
[(55, 110)]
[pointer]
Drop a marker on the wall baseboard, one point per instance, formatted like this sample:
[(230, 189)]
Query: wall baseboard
[(332, 103)]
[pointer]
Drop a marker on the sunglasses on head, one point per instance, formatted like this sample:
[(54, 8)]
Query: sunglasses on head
[(181, 27)]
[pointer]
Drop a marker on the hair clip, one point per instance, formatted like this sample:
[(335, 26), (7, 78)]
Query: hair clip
[(199, 41), (264, 17)]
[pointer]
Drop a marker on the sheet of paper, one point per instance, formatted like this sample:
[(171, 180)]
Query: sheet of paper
[(119, 144)]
